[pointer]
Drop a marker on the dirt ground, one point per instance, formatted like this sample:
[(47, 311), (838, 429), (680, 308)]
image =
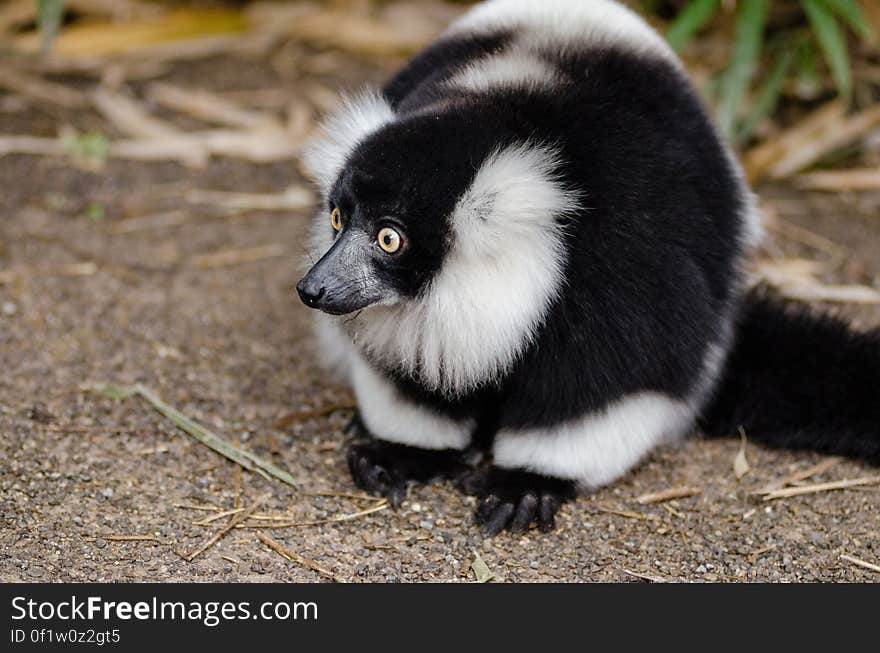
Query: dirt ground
[(231, 347)]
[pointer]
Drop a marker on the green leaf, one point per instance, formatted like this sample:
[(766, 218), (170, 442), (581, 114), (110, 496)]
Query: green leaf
[(245, 458), (750, 22), (113, 391), (851, 12), (807, 78), (49, 14), (832, 41), (95, 212), (91, 147), (481, 569), (689, 21), (768, 97)]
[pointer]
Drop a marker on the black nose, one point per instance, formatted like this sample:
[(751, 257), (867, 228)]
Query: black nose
[(309, 293)]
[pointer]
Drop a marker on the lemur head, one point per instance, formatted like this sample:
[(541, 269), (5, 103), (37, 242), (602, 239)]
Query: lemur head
[(387, 215), (403, 195), (447, 226)]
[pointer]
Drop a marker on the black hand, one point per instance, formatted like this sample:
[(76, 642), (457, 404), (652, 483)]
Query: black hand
[(516, 499), (385, 468)]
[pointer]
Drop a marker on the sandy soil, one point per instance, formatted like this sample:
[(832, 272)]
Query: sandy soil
[(231, 347)]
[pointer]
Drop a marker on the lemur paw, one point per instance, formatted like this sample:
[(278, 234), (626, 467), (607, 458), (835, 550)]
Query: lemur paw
[(385, 468), (515, 499)]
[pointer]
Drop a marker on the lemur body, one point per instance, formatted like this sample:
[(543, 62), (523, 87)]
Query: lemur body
[(537, 245)]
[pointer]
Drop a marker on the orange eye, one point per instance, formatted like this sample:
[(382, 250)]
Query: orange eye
[(336, 219), (389, 240)]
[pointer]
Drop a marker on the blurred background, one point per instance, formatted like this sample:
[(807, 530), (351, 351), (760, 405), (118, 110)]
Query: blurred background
[(151, 209), (793, 84)]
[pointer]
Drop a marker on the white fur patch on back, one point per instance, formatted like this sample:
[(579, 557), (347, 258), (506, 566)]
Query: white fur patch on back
[(341, 132), (560, 24), (506, 70), (495, 285), (390, 416), (599, 447)]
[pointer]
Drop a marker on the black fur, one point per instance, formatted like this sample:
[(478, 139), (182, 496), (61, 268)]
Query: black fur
[(435, 64), (385, 467), (648, 284), (510, 499), (652, 281), (799, 380), (515, 500)]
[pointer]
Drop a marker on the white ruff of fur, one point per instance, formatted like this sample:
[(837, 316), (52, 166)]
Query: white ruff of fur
[(341, 132), (336, 352), (324, 158), (498, 279), (559, 24), (390, 416)]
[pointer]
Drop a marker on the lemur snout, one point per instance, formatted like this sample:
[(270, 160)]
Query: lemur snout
[(310, 293)]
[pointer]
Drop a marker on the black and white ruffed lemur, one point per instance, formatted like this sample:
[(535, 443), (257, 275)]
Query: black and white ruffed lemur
[(533, 243)]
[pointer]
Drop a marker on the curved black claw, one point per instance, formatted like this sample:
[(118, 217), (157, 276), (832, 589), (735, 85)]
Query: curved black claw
[(516, 499), (385, 468)]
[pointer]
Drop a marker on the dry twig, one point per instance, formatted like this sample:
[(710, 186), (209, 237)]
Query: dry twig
[(813, 470), (622, 513), (219, 515), (820, 133), (649, 577), (41, 90), (821, 487), (216, 537), (130, 116), (382, 505), (797, 279), (667, 495), (228, 257), (209, 107), (125, 538), (862, 179), (294, 198), (754, 555), (298, 559), (861, 563)]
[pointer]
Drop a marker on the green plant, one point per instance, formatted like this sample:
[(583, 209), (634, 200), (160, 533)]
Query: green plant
[(91, 148), (761, 63), (49, 13)]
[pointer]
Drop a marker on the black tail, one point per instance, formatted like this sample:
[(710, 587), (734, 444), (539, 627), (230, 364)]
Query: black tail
[(798, 380)]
